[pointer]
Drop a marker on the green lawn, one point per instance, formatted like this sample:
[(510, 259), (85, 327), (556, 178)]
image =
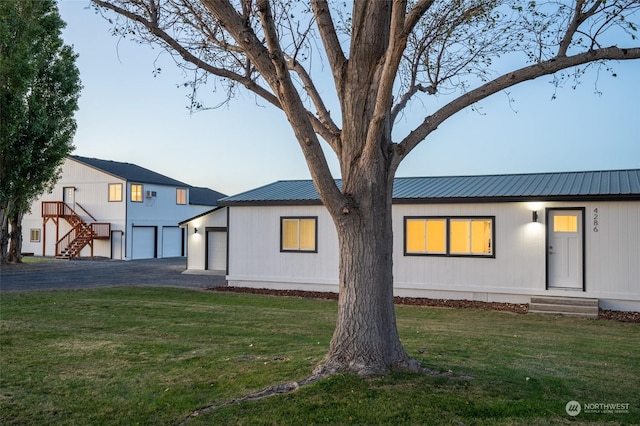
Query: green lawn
[(153, 356)]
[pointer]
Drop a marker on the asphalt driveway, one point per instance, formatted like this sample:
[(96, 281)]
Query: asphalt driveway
[(56, 274)]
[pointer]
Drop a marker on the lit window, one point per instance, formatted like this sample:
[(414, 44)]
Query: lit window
[(565, 223), (34, 235), (448, 236), (181, 196), (136, 192), (426, 235), (470, 236), (298, 234), (115, 192)]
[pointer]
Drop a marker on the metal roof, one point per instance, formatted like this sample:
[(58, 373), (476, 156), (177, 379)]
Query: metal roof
[(134, 173), (128, 171), (588, 185), (204, 196)]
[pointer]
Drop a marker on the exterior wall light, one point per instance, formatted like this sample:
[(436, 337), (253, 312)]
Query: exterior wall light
[(195, 230), (534, 216)]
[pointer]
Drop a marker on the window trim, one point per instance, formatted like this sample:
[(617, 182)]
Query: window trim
[(315, 245), (185, 196), (38, 232), (447, 252), (109, 193), (141, 193)]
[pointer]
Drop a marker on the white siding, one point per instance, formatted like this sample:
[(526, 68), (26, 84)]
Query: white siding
[(159, 210), (196, 242), (613, 250), (91, 192), (518, 271), (518, 266), (254, 250)]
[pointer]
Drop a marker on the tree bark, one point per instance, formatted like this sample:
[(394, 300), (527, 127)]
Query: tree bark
[(15, 235), (366, 339), (4, 230)]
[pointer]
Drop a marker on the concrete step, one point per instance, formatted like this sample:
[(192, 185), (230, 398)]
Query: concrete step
[(581, 307), (575, 301)]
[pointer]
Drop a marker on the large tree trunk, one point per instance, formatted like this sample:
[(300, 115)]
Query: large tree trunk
[(4, 230), (15, 246), (366, 339)]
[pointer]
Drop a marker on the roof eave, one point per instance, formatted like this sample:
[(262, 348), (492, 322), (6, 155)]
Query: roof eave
[(449, 200)]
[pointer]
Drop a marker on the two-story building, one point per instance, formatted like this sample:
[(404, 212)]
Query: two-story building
[(113, 209)]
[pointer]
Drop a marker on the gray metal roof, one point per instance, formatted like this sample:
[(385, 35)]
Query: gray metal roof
[(129, 172), (204, 196), (590, 185)]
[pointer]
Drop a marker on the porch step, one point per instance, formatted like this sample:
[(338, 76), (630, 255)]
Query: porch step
[(571, 306)]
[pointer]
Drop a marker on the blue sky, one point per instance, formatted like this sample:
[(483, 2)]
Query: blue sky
[(127, 114)]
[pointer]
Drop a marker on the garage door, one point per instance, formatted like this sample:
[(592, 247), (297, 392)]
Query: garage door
[(217, 251), (171, 241), (144, 242)]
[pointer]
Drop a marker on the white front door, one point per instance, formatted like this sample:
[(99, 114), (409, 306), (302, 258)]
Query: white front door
[(565, 249)]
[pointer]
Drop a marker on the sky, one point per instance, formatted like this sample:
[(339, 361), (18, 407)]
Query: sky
[(127, 114)]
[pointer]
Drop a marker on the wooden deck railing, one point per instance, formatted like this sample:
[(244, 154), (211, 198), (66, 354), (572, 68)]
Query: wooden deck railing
[(56, 209), (101, 230), (80, 234)]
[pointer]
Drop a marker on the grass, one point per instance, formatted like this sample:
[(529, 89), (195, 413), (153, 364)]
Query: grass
[(36, 259), (154, 355)]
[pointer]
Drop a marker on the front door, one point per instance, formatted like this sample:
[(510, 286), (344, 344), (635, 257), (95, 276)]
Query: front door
[(565, 248)]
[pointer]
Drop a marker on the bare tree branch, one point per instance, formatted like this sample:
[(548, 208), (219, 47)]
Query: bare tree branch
[(326, 126), (578, 18), (295, 111), (332, 47), (173, 44), (505, 81)]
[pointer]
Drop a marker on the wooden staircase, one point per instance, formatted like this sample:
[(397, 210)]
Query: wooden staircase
[(80, 235), (571, 306)]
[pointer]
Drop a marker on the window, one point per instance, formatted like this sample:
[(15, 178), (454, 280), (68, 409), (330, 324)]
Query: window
[(136, 192), (565, 223), (115, 192), (449, 236), (470, 236), (426, 236), (181, 196), (34, 235), (298, 234)]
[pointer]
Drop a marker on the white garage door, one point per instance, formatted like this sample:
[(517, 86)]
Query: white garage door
[(144, 242), (171, 241), (217, 251)]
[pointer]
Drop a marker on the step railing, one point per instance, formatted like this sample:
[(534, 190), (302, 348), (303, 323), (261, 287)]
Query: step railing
[(80, 233)]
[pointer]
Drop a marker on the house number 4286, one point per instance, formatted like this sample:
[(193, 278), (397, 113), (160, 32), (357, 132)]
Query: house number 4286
[(595, 220)]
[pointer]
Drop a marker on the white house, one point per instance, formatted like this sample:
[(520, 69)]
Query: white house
[(113, 209), (502, 238)]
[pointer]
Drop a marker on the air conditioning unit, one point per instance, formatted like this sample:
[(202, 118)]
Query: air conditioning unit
[(151, 194)]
